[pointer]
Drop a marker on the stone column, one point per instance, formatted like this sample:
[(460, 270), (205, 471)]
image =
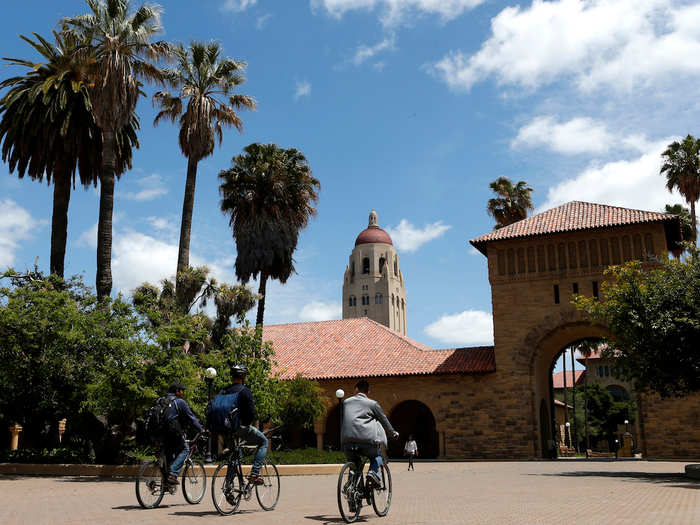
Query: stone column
[(320, 430), (441, 444), (61, 429), (14, 436)]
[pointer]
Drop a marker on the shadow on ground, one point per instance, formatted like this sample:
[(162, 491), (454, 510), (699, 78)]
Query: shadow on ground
[(327, 520), (91, 479), (675, 479)]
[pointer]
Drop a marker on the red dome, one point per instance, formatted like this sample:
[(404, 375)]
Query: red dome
[(373, 234)]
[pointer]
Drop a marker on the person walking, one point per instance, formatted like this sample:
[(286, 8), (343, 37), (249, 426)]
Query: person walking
[(410, 450)]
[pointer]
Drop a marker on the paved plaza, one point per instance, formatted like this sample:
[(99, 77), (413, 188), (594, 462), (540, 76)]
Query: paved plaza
[(498, 493)]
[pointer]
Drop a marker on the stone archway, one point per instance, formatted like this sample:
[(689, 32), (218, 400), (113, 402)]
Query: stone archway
[(416, 418), (547, 341)]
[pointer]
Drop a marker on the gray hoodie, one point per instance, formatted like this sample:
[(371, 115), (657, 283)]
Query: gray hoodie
[(363, 420)]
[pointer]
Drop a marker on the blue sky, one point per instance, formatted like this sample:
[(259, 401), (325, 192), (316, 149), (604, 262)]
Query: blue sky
[(410, 107)]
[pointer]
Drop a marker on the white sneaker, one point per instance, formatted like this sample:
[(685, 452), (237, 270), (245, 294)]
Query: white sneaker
[(374, 477)]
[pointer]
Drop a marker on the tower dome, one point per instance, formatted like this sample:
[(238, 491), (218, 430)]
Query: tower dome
[(373, 233)]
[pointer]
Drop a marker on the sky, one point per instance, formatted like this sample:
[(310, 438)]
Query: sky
[(408, 107)]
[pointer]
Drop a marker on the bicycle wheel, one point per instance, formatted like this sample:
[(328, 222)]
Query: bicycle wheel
[(349, 500), (150, 485), (226, 489), (194, 482), (381, 496), (269, 492)]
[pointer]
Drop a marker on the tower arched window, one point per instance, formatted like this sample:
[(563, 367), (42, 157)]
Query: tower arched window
[(396, 267), (382, 262), (392, 299), (365, 265), (354, 301), (352, 271)]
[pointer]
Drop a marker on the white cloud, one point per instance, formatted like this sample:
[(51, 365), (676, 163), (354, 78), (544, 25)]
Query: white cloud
[(89, 237), (16, 225), (364, 53), (408, 238), (320, 311), (393, 12), (620, 44), (262, 21), (303, 89), (238, 5), (632, 183), (576, 136), (471, 327), (151, 187)]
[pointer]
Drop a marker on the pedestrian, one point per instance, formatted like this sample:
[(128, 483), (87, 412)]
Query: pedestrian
[(410, 450)]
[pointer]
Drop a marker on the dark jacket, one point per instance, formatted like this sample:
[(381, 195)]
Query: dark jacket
[(180, 411), (246, 407)]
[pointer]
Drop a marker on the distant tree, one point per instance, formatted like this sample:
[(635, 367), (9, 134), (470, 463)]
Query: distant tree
[(511, 203), (120, 54), (685, 219), (205, 82), (682, 169), (48, 130), (605, 414), (268, 195), (654, 320)]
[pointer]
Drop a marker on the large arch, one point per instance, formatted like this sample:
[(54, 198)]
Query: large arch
[(548, 340), (416, 418)]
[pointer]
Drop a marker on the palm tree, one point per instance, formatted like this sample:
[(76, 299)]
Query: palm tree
[(203, 79), (48, 130), (682, 168), (684, 216), (511, 203), (121, 50), (268, 194)]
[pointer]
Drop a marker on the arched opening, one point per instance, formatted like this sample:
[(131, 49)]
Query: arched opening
[(382, 262), (331, 438), (414, 417), (365, 265), (618, 393)]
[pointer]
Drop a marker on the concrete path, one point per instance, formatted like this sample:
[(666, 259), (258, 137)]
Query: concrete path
[(527, 493)]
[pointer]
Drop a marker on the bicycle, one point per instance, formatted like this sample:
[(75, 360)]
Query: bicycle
[(229, 486), (275, 438), (152, 479), (353, 487)]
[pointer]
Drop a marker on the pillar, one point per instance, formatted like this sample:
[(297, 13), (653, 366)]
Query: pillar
[(320, 430), (14, 436)]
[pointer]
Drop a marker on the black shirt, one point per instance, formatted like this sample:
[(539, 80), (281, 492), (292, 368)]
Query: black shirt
[(246, 408)]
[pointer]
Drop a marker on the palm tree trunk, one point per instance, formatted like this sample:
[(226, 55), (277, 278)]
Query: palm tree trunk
[(104, 224), (261, 307), (59, 222), (695, 223), (183, 255)]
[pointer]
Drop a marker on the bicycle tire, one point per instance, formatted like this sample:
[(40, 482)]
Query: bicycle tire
[(381, 496), (349, 503), (150, 485), (270, 490), (225, 489), (194, 482)]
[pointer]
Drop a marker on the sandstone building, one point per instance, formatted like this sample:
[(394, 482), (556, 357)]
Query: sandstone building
[(489, 402)]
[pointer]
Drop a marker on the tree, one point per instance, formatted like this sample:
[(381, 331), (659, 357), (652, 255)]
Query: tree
[(654, 320), (684, 217), (604, 414), (511, 202), (682, 168), (120, 53), (48, 130), (268, 194), (203, 78)]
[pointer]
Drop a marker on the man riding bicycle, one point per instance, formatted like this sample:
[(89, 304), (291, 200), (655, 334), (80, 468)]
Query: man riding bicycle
[(363, 429), (246, 416), (175, 440)]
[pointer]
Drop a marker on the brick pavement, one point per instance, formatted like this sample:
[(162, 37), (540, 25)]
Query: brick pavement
[(489, 493)]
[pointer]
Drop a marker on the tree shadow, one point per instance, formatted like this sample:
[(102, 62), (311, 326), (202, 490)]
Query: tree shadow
[(679, 480), (93, 479), (327, 520)]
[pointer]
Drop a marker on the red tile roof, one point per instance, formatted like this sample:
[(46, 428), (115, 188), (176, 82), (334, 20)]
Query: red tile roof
[(558, 378), (373, 234), (574, 215), (364, 348)]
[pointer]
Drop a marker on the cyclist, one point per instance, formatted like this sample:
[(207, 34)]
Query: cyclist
[(363, 429), (246, 416), (175, 440)]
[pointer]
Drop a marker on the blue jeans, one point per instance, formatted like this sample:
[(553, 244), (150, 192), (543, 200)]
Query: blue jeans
[(252, 436), (176, 464), (372, 451)]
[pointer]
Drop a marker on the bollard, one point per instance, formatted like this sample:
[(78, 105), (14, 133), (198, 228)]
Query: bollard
[(14, 433)]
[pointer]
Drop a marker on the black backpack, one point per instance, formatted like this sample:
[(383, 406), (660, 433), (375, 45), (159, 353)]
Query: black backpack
[(156, 420)]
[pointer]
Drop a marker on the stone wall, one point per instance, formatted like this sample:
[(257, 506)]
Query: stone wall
[(670, 427)]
